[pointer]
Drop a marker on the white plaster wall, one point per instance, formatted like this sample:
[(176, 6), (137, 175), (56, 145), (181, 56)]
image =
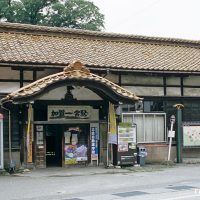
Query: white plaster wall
[(191, 80), (8, 87), (28, 75), (135, 79), (191, 92), (145, 91), (80, 93), (112, 77), (46, 72), (8, 73), (173, 91), (173, 81)]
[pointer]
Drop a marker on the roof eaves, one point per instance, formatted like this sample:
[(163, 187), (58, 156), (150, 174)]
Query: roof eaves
[(35, 29)]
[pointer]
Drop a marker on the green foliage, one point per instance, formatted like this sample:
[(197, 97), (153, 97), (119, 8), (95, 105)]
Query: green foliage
[(81, 14), (3, 8), (125, 124)]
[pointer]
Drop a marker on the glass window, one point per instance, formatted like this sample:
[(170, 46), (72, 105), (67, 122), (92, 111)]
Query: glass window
[(150, 127), (191, 111), (124, 108), (153, 106), (128, 108)]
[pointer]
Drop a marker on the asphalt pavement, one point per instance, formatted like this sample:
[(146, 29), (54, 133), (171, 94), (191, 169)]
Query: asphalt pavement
[(151, 182)]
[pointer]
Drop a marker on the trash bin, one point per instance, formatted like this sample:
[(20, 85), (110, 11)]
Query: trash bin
[(141, 155)]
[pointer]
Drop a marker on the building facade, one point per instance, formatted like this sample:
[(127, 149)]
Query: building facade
[(162, 71)]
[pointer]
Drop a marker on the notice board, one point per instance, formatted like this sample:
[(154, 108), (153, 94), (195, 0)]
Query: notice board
[(191, 135)]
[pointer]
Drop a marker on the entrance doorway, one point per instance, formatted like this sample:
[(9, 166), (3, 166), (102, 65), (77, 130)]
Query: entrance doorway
[(54, 145), (67, 143), (77, 144)]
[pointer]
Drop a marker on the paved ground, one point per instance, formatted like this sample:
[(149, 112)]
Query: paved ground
[(149, 183)]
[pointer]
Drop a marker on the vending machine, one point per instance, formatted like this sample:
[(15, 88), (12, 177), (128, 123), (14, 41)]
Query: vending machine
[(125, 150)]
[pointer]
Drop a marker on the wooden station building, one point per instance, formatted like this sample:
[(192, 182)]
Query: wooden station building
[(67, 100)]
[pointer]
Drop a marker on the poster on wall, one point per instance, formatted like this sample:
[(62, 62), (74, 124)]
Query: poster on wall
[(67, 135), (81, 153), (75, 153), (39, 135), (70, 155), (191, 135)]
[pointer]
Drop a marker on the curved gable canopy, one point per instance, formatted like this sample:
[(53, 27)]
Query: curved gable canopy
[(74, 74)]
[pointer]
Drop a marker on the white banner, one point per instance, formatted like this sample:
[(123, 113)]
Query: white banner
[(29, 135), (112, 131)]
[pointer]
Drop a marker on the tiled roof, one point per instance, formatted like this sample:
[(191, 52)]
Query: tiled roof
[(29, 44), (74, 72)]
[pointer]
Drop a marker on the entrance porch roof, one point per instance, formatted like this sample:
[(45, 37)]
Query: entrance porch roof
[(74, 74)]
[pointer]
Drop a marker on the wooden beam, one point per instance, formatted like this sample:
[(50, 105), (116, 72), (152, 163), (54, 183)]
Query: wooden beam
[(120, 80), (27, 68), (15, 80), (164, 85), (34, 75), (21, 81), (182, 91)]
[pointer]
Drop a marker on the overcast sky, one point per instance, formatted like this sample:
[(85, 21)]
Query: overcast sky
[(160, 18)]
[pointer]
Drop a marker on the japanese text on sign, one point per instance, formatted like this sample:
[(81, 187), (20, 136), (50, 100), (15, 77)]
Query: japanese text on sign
[(68, 112), (94, 143)]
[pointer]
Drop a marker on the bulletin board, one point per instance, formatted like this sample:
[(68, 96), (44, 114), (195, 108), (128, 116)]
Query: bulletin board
[(191, 135)]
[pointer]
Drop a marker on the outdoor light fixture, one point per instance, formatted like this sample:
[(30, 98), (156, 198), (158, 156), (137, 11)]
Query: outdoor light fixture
[(69, 96)]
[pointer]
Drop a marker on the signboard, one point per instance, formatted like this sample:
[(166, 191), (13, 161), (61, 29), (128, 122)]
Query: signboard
[(171, 134), (191, 135), (1, 144), (69, 112), (94, 143)]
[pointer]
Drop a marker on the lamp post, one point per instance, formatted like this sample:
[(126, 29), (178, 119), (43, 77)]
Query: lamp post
[(179, 108)]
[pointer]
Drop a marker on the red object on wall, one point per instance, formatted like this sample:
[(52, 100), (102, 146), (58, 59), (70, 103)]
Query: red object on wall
[(1, 116)]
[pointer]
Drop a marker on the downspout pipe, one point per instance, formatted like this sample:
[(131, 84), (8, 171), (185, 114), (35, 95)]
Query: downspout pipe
[(11, 162)]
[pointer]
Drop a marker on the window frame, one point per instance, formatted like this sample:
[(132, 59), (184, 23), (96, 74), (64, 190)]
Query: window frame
[(144, 133)]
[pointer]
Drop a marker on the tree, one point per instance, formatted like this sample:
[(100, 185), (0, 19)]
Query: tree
[(3, 8), (81, 14), (76, 14)]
